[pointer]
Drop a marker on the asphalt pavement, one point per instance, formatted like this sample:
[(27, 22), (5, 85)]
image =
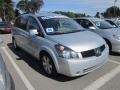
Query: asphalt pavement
[(28, 75)]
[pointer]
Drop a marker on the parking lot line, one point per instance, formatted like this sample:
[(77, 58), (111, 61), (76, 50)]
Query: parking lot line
[(103, 80), (20, 73), (114, 62)]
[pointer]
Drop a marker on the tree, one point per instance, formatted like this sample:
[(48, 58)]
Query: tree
[(110, 12), (17, 13), (6, 10), (30, 6), (97, 15)]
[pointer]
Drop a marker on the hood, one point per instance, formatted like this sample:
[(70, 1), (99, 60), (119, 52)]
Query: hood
[(115, 31), (80, 41)]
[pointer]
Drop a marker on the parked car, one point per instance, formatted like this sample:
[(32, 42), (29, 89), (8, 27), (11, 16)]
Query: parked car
[(6, 82), (117, 21), (110, 21), (60, 43), (104, 29), (5, 27)]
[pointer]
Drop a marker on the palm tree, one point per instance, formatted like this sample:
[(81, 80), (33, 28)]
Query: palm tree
[(30, 6), (6, 9)]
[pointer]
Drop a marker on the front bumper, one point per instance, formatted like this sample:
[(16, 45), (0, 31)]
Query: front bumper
[(74, 68)]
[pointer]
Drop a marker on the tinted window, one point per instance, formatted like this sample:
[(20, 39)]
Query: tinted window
[(21, 22), (80, 21), (85, 23)]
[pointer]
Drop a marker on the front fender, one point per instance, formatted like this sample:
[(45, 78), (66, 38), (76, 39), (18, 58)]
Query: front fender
[(51, 52)]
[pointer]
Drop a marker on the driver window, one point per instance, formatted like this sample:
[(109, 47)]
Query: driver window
[(32, 24)]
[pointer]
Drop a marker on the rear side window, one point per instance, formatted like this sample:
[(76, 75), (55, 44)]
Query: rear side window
[(21, 22)]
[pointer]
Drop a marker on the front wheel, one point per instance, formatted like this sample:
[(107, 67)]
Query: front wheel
[(48, 65)]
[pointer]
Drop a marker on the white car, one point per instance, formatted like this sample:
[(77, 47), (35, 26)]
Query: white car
[(104, 29)]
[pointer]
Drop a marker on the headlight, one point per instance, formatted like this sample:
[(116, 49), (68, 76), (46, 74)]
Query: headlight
[(116, 37), (65, 52)]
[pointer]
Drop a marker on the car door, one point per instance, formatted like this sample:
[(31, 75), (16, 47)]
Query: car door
[(34, 41), (16, 30), (22, 33)]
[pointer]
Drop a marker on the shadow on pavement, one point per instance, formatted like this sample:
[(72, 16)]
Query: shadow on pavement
[(35, 64), (114, 54)]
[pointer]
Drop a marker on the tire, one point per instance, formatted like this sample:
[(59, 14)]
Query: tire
[(48, 65), (109, 45), (15, 44)]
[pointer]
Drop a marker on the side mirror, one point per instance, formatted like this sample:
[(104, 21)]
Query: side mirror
[(33, 32), (92, 28)]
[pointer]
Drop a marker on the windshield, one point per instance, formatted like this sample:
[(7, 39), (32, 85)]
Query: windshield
[(103, 24), (55, 26), (112, 23)]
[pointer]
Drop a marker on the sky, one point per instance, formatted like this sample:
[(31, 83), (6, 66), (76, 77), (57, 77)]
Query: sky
[(89, 7)]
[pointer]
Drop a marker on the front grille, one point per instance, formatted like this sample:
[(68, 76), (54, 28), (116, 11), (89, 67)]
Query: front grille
[(92, 52)]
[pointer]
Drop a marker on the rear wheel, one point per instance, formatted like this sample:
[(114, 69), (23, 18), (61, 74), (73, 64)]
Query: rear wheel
[(48, 65)]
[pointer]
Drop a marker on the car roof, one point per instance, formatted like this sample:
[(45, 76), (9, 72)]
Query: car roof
[(45, 14), (90, 18), (48, 14)]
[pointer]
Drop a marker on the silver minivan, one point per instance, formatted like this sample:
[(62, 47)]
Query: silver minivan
[(104, 29), (60, 43)]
